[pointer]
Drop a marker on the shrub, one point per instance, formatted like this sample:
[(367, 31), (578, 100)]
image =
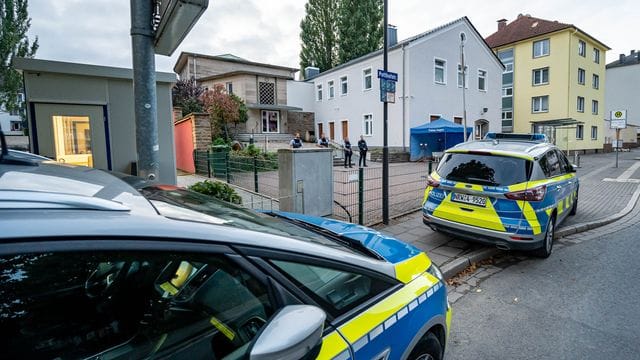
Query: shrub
[(217, 190)]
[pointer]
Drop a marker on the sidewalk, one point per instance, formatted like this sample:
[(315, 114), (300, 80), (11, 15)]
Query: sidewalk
[(606, 194)]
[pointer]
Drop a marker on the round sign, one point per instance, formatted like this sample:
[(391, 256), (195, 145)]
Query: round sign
[(618, 114)]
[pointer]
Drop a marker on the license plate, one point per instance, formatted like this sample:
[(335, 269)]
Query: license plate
[(469, 199)]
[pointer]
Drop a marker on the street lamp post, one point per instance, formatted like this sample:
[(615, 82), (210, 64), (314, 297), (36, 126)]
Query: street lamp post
[(464, 84)]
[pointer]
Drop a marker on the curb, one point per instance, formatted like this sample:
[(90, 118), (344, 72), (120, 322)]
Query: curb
[(454, 267)]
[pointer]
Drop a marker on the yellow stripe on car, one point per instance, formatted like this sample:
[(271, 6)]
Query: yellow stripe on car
[(531, 216), (412, 268), (332, 346), (484, 217)]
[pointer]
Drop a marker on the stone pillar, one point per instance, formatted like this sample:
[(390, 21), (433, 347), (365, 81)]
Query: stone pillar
[(306, 181), (201, 131)]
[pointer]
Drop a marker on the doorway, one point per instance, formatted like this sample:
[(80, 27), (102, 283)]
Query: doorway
[(345, 129), (72, 134), (332, 131), (320, 132), (481, 129)]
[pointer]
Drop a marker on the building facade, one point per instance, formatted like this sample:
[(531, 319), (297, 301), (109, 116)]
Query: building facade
[(553, 82), (346, 99), (11, 122), (263, 88), (623, 93)]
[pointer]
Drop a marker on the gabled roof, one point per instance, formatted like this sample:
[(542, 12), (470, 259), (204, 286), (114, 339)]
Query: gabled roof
[(526, 27), (408, 41), (182, 61)]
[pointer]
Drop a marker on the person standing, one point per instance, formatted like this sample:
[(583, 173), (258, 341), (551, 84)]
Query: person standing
[(296, 143), (323, 142), (362, 146), (347, 152)]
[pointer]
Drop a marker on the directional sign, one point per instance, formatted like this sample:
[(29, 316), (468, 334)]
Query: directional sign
[(387, 86), (387, 75)]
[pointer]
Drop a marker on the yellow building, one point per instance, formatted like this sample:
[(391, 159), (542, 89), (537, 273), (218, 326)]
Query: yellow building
[(553, 81)]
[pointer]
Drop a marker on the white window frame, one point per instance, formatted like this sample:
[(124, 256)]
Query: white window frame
[(229, 87), (364, 79), (504, 91), (582, 48), (438, 115), (344, 80), (580, 104), (579, 132), (466, 76), (457, 117), (262, 119), (595, 81), (594, 131), (318, 92), (331, 88), (582, 76), (364, 124), (542, 53), (444, 71), (542, 71), (540, 104), (482, 74), (596, 55), (595, 107)]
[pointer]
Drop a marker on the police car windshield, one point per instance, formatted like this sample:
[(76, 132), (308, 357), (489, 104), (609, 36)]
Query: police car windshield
[(487, 169)]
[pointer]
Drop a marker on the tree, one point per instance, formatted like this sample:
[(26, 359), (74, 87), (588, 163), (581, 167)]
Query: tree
[(224, 109), (318, 35), (359, 28), (187, 95), (14, 24)]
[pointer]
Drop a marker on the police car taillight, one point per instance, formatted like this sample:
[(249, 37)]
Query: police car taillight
[(533, 194), (432, 182)]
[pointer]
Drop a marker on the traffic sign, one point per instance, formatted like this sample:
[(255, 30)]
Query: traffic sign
[(387, 86), (387, 75), (618, 119)]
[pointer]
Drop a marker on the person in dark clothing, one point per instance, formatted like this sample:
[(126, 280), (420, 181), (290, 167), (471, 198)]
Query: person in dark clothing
[(347, 152), (362, 146), (323, 142), (296, 143)]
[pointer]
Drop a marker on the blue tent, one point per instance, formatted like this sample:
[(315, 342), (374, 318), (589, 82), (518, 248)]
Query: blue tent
[(436, 136)]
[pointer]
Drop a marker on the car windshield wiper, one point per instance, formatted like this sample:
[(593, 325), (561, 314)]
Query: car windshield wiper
[(342, 240)]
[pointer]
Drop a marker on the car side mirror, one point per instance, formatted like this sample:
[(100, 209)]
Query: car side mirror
[(295, 332), (574, 168)]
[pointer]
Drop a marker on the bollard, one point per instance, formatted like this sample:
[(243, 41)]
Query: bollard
[(361, 196), (576, 158)]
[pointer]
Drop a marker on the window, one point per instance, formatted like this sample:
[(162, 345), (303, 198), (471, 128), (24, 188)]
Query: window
[(596, 81), (541, 76), (440, 71), (580, 104), (339, 290), (319, 92), (366, 79), (267, 93), (270, 121), (434, 117), (581, 76), (507, 119), (466, 76), (331, 86), (594, 133), (484, 169), (482, 80), (344, 88), (579, 132), (540, 104), (229, 87), (367, 124), (582, 48), (457, 119), (550, 164), (596, 56), (594, 107), (128, 305), (541, 48), (508, 91)]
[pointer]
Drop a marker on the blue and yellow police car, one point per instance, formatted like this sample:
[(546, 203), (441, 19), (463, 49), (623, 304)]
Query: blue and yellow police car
[(510, 193)]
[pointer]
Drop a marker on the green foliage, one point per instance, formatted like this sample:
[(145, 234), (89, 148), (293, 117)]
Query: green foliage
[(218, 190), (224, 109), (243, 160), (14, 24), (359, 28), (318, 35), (221, 141), (187, 95), (252, 150)]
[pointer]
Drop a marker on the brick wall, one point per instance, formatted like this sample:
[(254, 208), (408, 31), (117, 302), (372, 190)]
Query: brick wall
[(301, 122)]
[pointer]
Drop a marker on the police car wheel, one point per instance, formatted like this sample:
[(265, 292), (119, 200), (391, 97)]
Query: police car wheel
[(547, 244), (428, 348)]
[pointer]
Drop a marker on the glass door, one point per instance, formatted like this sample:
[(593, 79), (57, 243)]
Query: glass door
[(72, 138), (270, 121)]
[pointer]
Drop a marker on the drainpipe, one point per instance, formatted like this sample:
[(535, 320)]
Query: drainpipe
[(404, 99), (568, 89)]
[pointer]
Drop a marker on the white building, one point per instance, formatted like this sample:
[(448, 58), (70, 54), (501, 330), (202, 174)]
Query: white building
[(347, 97), (622, 86), (11, 123)]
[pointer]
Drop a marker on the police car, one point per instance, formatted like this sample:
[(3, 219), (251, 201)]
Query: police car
[(91, 267), (505, 192)]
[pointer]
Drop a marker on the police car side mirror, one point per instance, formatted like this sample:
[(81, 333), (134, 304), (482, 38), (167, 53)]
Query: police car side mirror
[(279, 340)]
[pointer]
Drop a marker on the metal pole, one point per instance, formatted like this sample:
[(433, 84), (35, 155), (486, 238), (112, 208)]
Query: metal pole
[(385, 144), (361, 196), (617, 145), (464, 83), (144, 88), (255, 173)]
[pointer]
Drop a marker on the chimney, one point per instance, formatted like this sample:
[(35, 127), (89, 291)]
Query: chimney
[(502, 23), (311, 72), (622, 57), (633, 52), (392, 35)]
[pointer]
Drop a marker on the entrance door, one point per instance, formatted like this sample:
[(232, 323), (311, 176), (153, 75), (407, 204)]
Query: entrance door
[(72, 134), (320, 132), (345, 129), (332, 131)]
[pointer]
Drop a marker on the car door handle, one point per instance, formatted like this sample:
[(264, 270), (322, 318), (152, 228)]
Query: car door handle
[(558, 186)]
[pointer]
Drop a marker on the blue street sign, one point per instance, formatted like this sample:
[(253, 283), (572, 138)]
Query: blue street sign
[(387, 75)]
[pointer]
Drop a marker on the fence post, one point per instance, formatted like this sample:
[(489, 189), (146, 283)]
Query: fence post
[(255, 173), (208, 162), (226, 163), (361, 196)]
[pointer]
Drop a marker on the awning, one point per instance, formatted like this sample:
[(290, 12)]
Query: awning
[(557, 122), (273, 107)]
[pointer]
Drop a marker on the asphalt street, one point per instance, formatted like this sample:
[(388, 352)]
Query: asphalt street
[(581, 303)]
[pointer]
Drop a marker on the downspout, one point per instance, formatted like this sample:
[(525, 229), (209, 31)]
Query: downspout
[(568, 90), (404, 99)]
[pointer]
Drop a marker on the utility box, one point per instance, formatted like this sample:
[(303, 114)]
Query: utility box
[(306, 181)]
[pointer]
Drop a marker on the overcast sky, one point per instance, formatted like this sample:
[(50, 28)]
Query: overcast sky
[(97, 31)]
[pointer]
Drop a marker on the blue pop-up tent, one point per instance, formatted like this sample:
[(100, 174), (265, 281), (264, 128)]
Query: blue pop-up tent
[(436, 136)]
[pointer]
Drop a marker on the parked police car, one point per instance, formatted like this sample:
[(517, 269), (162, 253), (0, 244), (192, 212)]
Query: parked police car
[(92, 268), (511, 193)]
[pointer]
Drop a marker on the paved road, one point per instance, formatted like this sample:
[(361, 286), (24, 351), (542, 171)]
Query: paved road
[(580, 303)]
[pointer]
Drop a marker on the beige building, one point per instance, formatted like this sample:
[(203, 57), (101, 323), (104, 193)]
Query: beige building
[(263, 87)]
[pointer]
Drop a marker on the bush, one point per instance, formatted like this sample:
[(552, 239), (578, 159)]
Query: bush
[(217, 190), (220, 141)]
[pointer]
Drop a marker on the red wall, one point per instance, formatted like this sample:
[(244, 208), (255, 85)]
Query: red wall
[(184, 146)]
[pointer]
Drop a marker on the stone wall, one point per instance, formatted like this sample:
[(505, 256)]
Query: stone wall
[(303, 123)]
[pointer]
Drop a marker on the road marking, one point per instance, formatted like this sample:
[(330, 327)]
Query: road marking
[(625, 177)]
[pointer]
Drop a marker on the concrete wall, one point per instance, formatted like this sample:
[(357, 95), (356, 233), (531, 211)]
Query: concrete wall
[(623, 92), (205, 66), (306, 181), (300, 94)]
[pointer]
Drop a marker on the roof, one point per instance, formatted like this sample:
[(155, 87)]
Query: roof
[(242, 72), (60, 67), (182, 60), (408, 41), (515, 148), (526, 27), (631, 59), (439, 126)]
